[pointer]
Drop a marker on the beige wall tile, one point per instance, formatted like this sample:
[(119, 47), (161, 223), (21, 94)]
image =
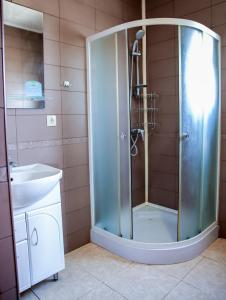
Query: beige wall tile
[(51, 6), (51, 27), (74, 126), (78, 219), (34, 128), (72, 57), (76, 177), (104, 21), (52, 77), (76, 12), (51, 52), (77, 199), (74, 103), (113, 8), (76, 77), (75, 154), (74, 34), (52, 156)]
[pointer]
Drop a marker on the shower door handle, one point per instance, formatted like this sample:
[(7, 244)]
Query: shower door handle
[(123, 136), (185, 136)]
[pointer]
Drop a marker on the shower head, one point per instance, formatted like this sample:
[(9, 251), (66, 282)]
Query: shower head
[(140, 34)]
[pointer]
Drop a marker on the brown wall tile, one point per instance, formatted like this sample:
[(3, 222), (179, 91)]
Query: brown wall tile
[(2, 139), (72, 57), (76, 177), (74, 34), (8, 280), (75, 154), (51, 26), (73, 11), (78, 238), (74, 103), (77, 199), (9, 295), (74, 126), (51, 6), (186, 7), (5, 222), (34, 128), (78, 219)]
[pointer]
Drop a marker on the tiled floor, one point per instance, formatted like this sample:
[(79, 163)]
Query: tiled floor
[(93, 273)]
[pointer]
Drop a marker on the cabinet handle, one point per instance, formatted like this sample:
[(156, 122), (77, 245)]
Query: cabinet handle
[(36, 233)]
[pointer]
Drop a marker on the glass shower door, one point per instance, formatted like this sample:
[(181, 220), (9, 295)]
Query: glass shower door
[(199, 131), (109, 132)]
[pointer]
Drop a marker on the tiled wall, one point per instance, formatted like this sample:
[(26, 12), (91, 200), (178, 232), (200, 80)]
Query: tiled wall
[(137, 162), (66, 25), (211, 13), (163, 140), (8, 285)]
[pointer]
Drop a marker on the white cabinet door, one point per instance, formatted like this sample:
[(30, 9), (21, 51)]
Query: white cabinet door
[(45, 242), (23, 266)]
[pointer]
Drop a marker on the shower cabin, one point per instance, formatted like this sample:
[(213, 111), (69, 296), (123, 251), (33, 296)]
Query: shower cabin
[(154, 139)]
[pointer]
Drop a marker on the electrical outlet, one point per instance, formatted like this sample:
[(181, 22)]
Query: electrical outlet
[(51, 121)]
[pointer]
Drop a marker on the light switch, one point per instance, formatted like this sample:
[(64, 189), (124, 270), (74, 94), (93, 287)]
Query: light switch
[(51, 121)]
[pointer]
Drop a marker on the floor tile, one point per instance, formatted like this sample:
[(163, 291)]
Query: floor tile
[(217, 251), (187, 292), (102, 292), (140, 282), (179, 270), (28, 295), (73, 283), (210, 277), (99, 262)]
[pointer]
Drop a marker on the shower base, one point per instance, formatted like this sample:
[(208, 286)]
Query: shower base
[(154, 224), (154, 240)]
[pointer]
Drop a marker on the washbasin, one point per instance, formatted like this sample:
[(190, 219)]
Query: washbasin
[(31, 183)]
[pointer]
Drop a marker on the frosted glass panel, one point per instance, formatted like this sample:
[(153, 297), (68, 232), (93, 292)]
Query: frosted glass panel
[(124, 133), (105, 133), (210, 131), (199, 131), (191, 132)]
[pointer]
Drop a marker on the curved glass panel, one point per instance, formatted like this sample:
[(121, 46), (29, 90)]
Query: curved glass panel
[(199, 131)]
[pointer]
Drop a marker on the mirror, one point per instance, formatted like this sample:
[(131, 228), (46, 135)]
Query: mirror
[(24, 62)]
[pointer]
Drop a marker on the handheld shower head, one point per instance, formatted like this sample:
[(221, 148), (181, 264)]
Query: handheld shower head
[(140, 34)]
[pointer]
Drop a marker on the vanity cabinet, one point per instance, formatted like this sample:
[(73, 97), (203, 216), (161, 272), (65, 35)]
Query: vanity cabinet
[(45, 242), (39, 244), (22, 255), (23, 265)]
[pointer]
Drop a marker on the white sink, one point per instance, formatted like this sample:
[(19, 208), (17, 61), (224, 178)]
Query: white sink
[(31, 183)]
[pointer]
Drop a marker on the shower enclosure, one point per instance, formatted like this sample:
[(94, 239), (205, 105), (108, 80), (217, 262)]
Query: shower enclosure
[(162, 209)]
